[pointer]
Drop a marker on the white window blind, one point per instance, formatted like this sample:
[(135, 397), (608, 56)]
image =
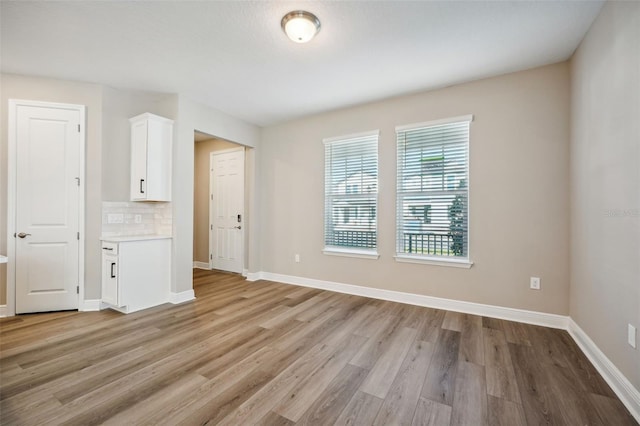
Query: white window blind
[(432, 189), (351, 192)]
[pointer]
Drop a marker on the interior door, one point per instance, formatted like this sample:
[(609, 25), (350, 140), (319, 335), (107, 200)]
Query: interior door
[(226, 210), (47, 208)]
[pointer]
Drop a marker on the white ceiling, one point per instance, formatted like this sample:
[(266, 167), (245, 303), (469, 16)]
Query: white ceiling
[(233, 55)]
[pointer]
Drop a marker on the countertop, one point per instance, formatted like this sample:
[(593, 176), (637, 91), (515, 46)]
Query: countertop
[(125, 238)]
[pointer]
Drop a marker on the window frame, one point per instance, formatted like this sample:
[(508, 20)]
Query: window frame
[(438, 260), (348, 251)]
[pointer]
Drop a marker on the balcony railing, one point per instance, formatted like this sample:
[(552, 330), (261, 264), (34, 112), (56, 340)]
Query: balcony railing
[(363, 239), (414, 242), (428, 243)]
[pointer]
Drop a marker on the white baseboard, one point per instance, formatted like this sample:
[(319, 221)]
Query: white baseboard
[(511, 314), (181, 297), (201, 265), (245, 272), (254, 276), (85, 306), (628, 394), (90, 305)]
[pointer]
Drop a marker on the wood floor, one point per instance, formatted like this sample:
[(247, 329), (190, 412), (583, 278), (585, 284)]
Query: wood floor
[(273, 354)]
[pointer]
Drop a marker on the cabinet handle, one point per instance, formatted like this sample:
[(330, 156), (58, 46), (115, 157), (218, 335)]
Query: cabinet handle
[(107, 248), (141, 182), (113, 274)]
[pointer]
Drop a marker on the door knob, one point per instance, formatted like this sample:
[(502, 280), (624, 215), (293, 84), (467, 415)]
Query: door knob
[(238, 227), (22, 235)]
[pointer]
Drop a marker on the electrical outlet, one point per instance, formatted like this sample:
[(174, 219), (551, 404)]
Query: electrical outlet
[(534, 284), (632, 336), (297, 258), (115, 218)]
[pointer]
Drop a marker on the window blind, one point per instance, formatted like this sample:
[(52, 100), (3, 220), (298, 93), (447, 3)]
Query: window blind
[(351, 192), (432, 189)]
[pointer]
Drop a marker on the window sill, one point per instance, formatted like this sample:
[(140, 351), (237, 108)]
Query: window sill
[(437, 261), (362, 254)]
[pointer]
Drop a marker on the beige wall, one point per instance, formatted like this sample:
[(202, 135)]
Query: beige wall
[(203, 150), (51, 90), (107, 152), (605, 182), (107, 161), (118, 106), (193, 117), (519, 194)]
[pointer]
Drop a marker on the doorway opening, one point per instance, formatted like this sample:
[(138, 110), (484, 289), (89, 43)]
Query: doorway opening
[(220, 211)]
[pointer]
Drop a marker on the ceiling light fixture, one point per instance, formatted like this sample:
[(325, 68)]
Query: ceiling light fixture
[(300, 26)]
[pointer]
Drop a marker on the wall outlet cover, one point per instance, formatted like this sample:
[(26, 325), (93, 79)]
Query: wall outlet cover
[(632, 336), (534, 283)]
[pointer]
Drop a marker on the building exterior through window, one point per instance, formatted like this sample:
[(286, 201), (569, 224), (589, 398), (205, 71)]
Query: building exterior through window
[(351, 192), (432, 189)]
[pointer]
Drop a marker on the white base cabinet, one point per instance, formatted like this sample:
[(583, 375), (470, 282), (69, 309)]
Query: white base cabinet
[(136, 273)]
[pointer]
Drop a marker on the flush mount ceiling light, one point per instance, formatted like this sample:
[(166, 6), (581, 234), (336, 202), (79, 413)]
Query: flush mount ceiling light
[(300, 26)]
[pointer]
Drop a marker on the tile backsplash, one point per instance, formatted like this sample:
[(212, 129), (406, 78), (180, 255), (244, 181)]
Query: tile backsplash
[(119, 218)]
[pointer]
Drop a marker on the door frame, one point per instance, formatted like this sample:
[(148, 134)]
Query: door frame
[(12, 181), (244, 193)]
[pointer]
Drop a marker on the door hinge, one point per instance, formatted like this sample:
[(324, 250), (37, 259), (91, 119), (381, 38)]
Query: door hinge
[(211, 229), (77, 289), (78, 181), (212, 197), (210, 257), (78, 235), (78, 128)]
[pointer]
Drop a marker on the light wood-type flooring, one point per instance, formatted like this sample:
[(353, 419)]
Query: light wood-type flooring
[(273, 354)]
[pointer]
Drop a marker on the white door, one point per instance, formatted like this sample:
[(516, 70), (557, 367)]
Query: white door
[(47, 207), (226, 210)]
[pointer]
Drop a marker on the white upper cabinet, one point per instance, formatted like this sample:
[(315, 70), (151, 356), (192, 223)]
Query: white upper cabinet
[(151, 137)]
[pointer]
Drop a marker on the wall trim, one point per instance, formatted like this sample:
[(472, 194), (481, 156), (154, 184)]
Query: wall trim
[(511, 314), (90, 305), (628, 394), (254, 276), (183, 296), (201, 265)]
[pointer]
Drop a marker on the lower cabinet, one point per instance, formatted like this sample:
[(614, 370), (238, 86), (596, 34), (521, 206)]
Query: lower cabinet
[(136, 273), (110, 293)]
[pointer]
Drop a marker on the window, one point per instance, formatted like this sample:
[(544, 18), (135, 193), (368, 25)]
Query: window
[(351, 195), (433, 191)]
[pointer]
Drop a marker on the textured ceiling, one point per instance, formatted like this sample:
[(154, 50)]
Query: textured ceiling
[(233, 56)]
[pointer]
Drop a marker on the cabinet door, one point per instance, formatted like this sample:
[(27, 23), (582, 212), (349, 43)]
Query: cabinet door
[(110, 290), (159, 136), (139, 160)]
